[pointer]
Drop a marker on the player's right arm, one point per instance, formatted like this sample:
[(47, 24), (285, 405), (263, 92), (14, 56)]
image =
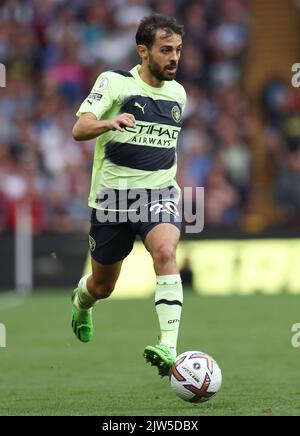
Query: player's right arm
[(89, 127), (91, 121)]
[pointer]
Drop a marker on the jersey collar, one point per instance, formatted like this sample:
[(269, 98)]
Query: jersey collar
[(135, 72)]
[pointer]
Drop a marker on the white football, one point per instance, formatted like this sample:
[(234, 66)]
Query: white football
[(195, 376)]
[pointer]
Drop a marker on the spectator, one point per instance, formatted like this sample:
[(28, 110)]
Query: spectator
[(186, 274)]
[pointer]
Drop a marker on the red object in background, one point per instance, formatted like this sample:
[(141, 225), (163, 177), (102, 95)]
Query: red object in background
[(37, 212), (293, 102)]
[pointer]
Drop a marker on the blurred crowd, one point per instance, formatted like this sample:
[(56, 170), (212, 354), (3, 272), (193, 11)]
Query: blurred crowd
[(53, 51), (281, 137)]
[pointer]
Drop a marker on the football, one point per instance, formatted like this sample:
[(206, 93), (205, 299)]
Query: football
[(195, 376)]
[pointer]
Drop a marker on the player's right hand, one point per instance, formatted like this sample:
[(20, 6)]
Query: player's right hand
[(121, 121)]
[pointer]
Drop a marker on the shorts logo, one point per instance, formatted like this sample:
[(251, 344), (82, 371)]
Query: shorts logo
[(102, 84), (176, 114), (92, 243)]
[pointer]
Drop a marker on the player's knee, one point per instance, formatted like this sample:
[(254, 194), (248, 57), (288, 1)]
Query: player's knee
[(103, 290), (163, 254)]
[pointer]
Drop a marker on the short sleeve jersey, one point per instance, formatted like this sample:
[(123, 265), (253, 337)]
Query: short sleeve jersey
[(140, 157)]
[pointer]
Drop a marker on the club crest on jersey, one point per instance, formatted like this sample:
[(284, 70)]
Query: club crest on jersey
[(102, 85), (176, 114)]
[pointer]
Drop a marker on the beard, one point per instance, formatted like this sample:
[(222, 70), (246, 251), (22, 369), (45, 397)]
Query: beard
[(161, 73)]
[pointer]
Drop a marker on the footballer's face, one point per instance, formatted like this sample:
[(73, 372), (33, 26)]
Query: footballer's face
[(163, 56)]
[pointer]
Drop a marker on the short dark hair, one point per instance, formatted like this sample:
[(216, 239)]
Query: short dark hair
[(149, 25)]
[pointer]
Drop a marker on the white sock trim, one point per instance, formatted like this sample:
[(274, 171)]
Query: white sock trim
[(169, 288), (84, 300), (82, 284), (171, 279)]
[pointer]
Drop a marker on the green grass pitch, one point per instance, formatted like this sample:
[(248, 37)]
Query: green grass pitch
[(45, 370)]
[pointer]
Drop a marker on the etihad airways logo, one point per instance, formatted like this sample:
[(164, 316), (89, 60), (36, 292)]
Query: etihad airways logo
[(154, 135), (154, 130)]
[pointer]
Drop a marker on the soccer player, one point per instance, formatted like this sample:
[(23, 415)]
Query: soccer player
[(136, 117)]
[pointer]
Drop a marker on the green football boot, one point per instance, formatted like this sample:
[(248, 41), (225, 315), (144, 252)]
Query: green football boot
[(82, 323), (160, 356)]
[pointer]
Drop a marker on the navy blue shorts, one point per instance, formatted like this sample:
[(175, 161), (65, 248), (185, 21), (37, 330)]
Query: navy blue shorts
[(111, 240)]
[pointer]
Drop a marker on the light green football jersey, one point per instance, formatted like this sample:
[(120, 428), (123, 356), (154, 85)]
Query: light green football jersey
[(143, 157)]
